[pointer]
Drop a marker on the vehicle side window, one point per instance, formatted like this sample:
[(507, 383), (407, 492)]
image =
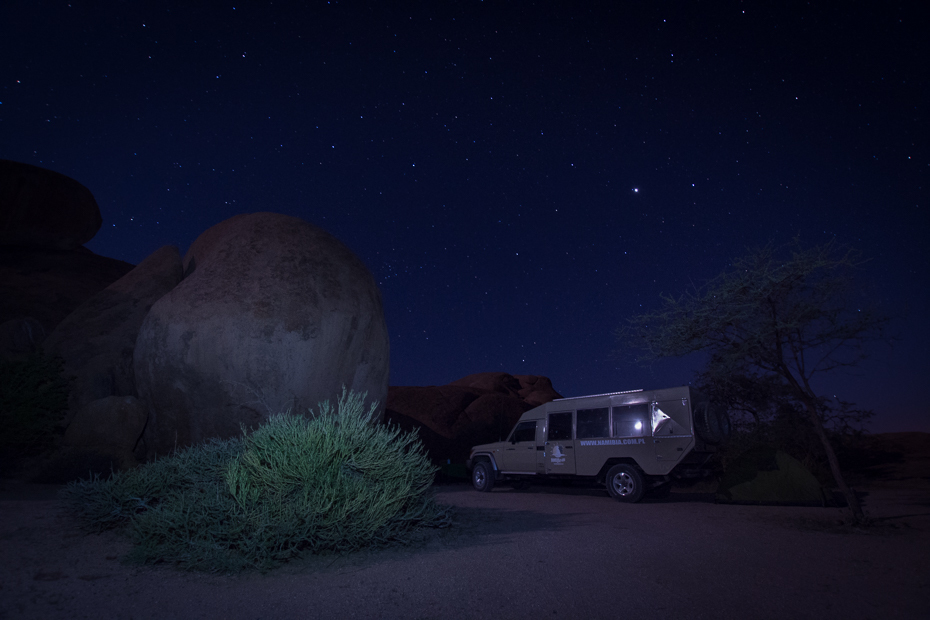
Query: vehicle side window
[(560, 426), (524, 431), (631, 420), (593, 423)]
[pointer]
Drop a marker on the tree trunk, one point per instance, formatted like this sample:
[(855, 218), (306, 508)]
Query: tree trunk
[(851, 499)]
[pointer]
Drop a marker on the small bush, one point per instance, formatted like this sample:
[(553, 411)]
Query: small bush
[(336, 482), (33, 398)]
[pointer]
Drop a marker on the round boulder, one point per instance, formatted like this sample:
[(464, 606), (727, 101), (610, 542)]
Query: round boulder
[(42, 208), (273, 314)]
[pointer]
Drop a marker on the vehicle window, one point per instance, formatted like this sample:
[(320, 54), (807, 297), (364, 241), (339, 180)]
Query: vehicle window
[(560, 426), (593, 423), (631, 420), (524, 431)]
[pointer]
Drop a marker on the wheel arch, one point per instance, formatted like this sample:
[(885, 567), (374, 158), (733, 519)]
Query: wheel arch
[(484, 456), (618, 460)]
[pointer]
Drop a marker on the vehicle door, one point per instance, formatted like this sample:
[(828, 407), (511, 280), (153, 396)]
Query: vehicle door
[(671, 429), (560, 443), (519, 453)]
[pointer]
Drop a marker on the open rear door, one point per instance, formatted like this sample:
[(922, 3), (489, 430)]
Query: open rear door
[(671, 428)]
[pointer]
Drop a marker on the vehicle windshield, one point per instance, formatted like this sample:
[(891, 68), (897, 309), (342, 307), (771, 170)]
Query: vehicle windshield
[(524, 431)]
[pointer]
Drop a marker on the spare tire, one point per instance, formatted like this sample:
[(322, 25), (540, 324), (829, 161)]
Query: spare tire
[(711, 422)]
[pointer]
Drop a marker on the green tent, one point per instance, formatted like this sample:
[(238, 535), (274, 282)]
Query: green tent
[(764, 475)]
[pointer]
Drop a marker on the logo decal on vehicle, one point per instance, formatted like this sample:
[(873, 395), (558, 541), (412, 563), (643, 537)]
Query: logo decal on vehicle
[(614, 442)]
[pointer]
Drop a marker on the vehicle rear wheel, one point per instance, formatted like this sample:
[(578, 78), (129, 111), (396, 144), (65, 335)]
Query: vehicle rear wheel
[(625, 483), (482, 476)]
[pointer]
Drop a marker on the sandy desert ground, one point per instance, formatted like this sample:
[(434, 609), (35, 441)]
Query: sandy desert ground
[(547, 552)]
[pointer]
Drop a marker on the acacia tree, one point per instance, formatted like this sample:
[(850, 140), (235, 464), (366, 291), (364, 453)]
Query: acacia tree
[(770, 325), (767, 410)]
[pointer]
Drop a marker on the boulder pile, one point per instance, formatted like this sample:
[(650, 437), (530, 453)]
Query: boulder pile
[(45, 271), (265, 312)]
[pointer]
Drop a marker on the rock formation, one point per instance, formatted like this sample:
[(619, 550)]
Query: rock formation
[(273, 313), (532, 389), (476, 409), (42, 208), (48, 285), (45, 273), (97, 340)]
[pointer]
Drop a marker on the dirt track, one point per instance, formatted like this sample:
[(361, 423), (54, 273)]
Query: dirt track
[(548, 552)]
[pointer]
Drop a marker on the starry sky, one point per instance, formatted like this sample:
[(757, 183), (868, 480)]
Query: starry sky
[(520, 177)]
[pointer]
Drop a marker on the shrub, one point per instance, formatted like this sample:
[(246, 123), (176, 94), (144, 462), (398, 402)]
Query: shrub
[(33, 398), (334, 483)]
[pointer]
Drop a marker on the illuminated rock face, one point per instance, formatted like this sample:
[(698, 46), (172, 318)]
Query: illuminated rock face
[(273, 313)]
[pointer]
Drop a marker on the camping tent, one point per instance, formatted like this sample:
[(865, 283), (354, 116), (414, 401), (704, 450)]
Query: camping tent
[(765, 475)]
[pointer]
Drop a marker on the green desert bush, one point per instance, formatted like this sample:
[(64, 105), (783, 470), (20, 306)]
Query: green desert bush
[(33, 398), (333, 483)]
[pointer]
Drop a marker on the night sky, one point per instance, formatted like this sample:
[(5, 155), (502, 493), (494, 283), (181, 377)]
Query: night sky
[(519, 177)]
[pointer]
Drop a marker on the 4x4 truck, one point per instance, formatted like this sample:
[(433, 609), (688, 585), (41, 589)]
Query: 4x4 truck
[(631, 441)]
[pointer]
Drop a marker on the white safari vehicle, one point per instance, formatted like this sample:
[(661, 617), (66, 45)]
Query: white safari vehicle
[(631, 441)]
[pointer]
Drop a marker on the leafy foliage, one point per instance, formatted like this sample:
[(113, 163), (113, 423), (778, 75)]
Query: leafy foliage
[(766, 316), (33, 397), (765, 411), (337, 483), (770, 325)]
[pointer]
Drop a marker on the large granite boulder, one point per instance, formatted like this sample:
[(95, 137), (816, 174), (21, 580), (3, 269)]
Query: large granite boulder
[(273, 314), (476, 409), (42, 208), (97, 340)]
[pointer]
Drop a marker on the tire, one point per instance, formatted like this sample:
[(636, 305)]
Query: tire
[(711, 423), (482, 477), (625, 483)]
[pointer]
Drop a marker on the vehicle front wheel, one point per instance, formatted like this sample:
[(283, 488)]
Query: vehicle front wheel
[(625, 483), (482, 476)]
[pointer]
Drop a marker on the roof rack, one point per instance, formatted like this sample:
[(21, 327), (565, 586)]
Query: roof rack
[(607, 394)]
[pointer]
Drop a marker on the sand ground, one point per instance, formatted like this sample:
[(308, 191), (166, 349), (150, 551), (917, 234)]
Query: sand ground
[(546, 552)]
